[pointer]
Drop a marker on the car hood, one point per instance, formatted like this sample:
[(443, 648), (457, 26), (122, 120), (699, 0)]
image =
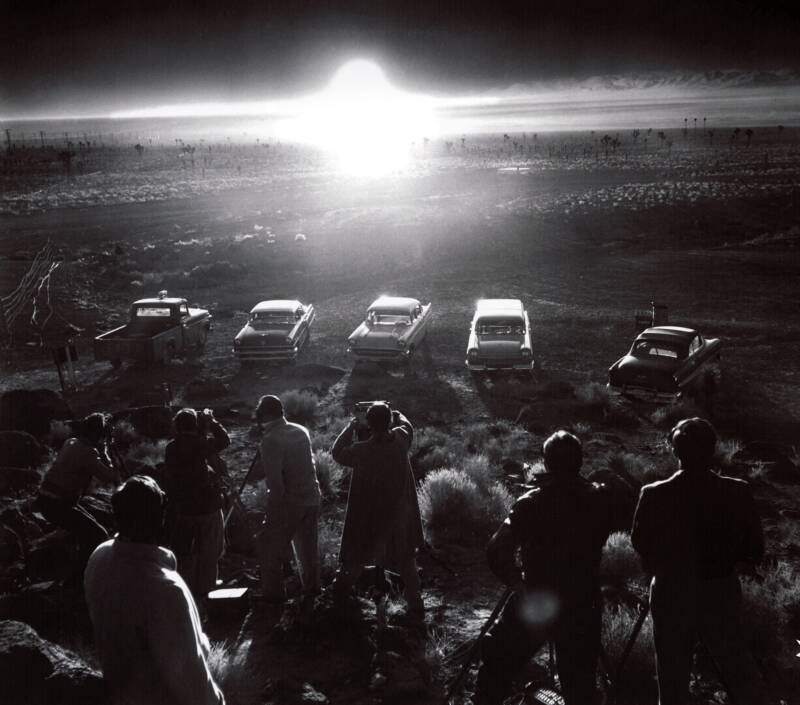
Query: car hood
[(656, 373)]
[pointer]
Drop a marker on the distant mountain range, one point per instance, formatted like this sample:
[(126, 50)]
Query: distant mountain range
[(660, 81)]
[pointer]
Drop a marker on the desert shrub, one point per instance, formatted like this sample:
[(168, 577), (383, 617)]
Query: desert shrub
[(145, 454), (533, 469), (667, 416), (327, 427), (507, 440), (582, 429), (638, 679), (435, 449), (634, 469), (771, 604), (454, 508), (219, 271), (124, 434), (478, 469), (329, 474), (239, 680), (620, 564), (725, 452), (299, 405), (329, 539), (594, 395), (557, 389), (433, 458)]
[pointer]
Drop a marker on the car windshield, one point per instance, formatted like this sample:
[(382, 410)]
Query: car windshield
[(271, 320), (659, 348), (391, 318), (496, 325), (153, 312)]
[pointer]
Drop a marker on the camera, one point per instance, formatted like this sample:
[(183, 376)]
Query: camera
[(360, 412)]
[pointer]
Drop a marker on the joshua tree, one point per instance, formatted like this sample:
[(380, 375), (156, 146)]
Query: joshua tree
[(749, 134), (139, 150), (704, 124), (662, 136), (636, 134), (711, 138), (685, 127), (65, 157)]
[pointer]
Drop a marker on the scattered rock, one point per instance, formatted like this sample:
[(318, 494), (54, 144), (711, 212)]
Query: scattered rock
[(19, 449), (51, 674), (32, 410)]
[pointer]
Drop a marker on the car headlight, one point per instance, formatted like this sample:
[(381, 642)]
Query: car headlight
[(400, 343), (525, 352), (236, 342), (472, 353)]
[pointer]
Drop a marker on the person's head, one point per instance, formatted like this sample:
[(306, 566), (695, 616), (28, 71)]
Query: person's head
[(270, 408), (93, 428), (562, 453), (138, 509), (379, 417), (693, 442), (185, 421)]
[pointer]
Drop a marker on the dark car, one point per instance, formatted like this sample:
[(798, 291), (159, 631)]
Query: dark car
[(274, 332), (666, 362)]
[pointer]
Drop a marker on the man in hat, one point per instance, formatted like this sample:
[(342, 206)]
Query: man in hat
[(692, 530), (382, 525), (293, 501), (558, 530)]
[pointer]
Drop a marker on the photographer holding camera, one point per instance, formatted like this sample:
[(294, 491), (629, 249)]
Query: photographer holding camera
[(81, 458), (382, 525), (195, 524)]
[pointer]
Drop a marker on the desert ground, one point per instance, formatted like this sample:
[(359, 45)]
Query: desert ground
[(584, 233)]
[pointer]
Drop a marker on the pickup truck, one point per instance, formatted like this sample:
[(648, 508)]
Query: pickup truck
[(666, 362), (159, 329)]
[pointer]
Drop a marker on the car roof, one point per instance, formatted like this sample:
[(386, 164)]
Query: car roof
[(394, 303), (507, 307), (675, 334), (276, 306), (156, 301)]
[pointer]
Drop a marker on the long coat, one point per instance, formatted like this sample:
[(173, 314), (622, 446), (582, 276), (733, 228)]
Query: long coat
[(382, 524)]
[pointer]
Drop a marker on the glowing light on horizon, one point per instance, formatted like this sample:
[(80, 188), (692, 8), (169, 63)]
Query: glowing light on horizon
[(367, 124)]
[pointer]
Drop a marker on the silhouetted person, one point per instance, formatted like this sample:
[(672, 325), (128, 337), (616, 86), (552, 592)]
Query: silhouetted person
[(293, 502), (81, 458), (691, 531), (147, 630), (558, 529), (382, 525), (194, 499)]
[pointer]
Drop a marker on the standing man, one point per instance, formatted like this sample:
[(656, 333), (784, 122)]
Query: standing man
[(382, 525), (81, 458), (147, 630), (691, 531), (195, 499), (293, 501), (558, 530)]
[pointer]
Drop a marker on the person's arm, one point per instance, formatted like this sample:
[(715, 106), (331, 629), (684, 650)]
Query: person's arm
[(400, 421), (220, 439), (501, 555), (342, 449), (99, 466), (180, 647), (641, 532)]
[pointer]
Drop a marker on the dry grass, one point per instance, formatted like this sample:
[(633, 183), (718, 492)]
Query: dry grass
[(725, 452), (300, 406), (667, 416), (240, 682), (479, 470), (147, 454), (635, 469), (620, 565), (638, 679), (330, 536), (594, 395)]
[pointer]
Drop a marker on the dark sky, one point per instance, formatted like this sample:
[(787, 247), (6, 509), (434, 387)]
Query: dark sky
[(87, 56)]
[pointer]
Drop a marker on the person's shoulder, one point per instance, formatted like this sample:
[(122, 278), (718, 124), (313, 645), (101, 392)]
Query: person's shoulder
[(731, 485), (661, 486), (296, 428)]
